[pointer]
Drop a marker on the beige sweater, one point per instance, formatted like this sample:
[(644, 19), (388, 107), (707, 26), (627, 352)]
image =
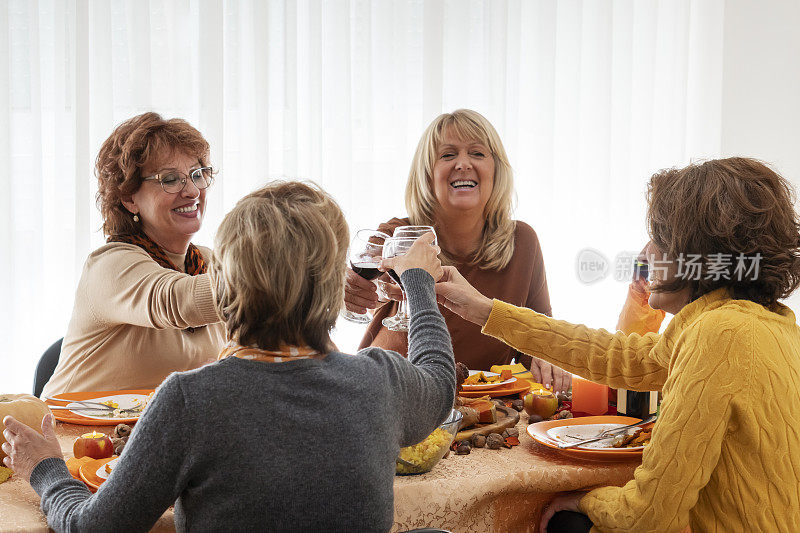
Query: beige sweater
[(127, 326)]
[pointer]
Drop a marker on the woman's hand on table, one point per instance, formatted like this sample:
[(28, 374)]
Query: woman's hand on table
[(456, 294), (563, 502), (422, 254), (25, 448), (550, 376)]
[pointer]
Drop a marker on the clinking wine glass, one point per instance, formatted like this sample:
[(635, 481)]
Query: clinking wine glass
[(404, 237), (366, 250)]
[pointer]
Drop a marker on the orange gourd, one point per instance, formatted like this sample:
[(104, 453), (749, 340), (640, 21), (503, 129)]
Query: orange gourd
[(28, 409)]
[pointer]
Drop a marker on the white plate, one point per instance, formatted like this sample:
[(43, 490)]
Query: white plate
[(486, 386), (101, 472), (588, 431), (125, 401)]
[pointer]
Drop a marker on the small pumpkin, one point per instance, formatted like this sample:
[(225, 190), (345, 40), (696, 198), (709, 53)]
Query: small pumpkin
[(28, 409)]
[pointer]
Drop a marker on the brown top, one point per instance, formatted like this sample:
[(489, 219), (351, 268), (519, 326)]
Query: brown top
[(522, 282)]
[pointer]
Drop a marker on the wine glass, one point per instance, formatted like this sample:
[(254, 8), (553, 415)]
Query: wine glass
[(403, 237), (366, 250)]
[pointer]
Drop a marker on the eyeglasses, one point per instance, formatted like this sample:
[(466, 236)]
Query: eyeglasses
[(173, 181)]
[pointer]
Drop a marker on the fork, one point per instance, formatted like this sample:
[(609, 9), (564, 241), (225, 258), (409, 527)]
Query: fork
[(607, 433), (82, 402)]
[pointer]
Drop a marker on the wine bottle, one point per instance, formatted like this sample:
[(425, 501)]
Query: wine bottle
[(638, 404)]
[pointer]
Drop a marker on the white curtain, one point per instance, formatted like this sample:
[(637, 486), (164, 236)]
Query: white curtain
[(590, 98)]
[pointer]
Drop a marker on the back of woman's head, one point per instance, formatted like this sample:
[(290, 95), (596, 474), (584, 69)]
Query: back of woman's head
[(497, 243), (142, 140), (735, 213), (278, 266)]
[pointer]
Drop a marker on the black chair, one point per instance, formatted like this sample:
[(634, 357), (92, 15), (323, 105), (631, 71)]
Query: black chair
[(47, 364)]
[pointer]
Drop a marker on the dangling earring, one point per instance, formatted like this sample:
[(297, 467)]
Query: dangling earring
[(136, 217)]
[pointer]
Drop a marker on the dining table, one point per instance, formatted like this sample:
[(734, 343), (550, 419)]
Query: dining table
[(503, 490)]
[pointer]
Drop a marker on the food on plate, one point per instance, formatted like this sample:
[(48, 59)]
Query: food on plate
[(479, 378), (109, 466), (425, 454), (28, 409), (505, 374), (640, 437), (540, 402), (95, 445)]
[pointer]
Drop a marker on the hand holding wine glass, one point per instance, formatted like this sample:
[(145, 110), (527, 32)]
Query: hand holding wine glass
[(402, 240), (365, 253), (421, 254)]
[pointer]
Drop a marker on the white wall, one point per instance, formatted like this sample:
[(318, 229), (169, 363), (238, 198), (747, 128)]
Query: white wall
[(761, 87)]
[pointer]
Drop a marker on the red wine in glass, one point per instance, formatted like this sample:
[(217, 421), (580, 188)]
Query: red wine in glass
[(368, 271), (395, 277)]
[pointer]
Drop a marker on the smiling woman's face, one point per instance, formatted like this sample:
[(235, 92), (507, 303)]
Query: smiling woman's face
[(463, 175), (169, 219)]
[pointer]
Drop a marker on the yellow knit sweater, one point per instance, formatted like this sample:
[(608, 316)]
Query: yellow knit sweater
[(725, 452)]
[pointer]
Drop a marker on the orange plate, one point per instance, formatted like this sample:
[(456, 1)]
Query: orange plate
[(74, 418), (88, 472), (516, 386), (538, 432)]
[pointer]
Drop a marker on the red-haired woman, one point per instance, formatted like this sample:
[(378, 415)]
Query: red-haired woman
[(144, 306)]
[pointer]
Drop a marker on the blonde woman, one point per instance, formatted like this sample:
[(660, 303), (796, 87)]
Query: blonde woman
[(461, 183), (275, 434)]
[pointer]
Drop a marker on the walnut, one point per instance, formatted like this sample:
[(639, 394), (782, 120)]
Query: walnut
[(462, 373), (122, 431), (510, 432), (463, 448), (494, 441), (478, 441), (119, 445), (518, 405), (532, 419)]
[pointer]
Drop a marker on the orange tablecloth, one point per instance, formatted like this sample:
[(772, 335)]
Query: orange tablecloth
[(488, 490)]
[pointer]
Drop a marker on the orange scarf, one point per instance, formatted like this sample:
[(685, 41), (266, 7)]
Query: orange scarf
[(282, 354), (194, 263)]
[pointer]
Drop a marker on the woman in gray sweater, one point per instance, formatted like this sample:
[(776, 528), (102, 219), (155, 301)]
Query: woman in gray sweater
[(284, 432)]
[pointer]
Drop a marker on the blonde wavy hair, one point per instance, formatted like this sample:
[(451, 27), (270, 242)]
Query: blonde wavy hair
[(497, 241), (278, 267)]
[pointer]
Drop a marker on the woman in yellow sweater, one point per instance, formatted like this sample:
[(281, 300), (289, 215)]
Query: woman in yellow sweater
[(725, 452)]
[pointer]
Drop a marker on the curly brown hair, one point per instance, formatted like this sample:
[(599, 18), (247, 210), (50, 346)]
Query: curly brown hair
[(132, 145), (737, 206)]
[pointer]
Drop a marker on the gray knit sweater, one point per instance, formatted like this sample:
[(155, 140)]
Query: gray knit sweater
[(307, 445)]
